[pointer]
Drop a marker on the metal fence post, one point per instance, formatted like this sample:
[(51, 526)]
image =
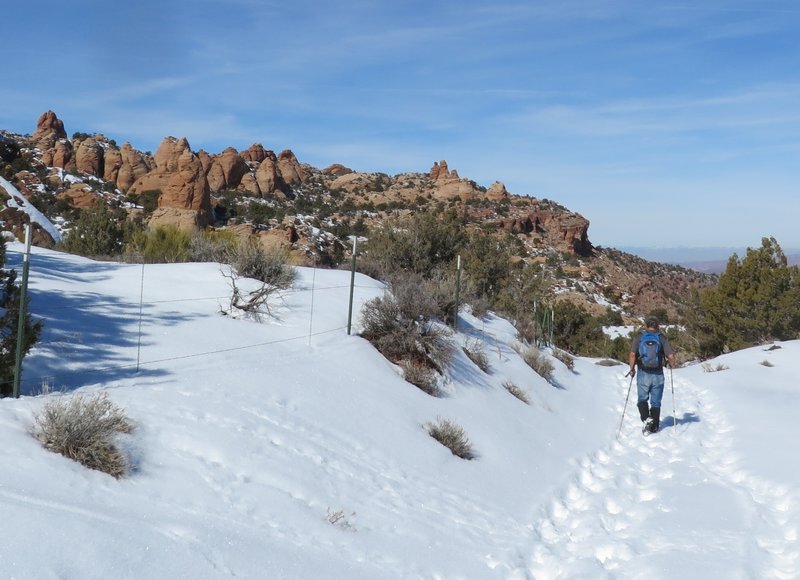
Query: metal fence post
[(22, 311), (352, 285)]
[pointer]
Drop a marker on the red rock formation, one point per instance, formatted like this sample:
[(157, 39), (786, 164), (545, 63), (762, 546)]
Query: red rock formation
[(255, 153), (290, 169), (81, 195), (337, 170), (187, 188), (133, 165), (89, 157), (49, 127), (268, 176), (60, 154), (497, 192), (226, 170), (168, 154)]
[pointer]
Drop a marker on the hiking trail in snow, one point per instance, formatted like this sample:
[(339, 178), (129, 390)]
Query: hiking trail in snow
[(676, 504)]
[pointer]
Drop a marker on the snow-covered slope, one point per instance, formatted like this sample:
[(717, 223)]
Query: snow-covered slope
[(252, 437)]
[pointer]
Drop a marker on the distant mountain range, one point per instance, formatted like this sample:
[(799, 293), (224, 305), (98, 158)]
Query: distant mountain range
[(709, 260)]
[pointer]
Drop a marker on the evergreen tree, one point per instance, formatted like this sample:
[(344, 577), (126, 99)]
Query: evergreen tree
[(756, 300), (9, 321), (420, 245), (98, 231)]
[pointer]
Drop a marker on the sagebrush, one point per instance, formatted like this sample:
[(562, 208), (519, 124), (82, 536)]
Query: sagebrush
[(421, 377), (477, 354), (452, 436), (85, 428), (517, 392), (400, 329), (538, 361)]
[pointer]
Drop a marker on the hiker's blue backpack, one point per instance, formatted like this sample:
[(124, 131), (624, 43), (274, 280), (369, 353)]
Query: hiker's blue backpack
[(650, 351)]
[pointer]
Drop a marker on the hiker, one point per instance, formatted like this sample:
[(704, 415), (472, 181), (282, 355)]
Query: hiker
[(649, 351)]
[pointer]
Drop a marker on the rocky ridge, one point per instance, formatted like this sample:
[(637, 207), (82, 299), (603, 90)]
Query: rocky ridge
[(193, 188)]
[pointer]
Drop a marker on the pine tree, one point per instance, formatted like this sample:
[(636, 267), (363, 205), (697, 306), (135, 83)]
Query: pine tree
[(9, 321), (756, 300)]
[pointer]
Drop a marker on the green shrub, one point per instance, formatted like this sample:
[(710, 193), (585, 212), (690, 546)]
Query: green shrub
[(418, 245), (575, 330), (10, 297), (161, 245), (85, 428), (99, 231), (147, 199)]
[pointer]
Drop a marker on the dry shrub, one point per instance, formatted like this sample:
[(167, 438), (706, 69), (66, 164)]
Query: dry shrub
[(766, 363), (477, 354), (607, 362), (708, 368), (480, 307), (452, 436), (517, 392), (537, 361), (401, 332), (526, 329), (566, 358), (421, 377), (84, 428), (250, 260), (340, 519)]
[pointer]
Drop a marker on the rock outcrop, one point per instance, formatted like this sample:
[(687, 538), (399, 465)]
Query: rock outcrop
[(49, 128), (448, 185), (255, 153), (290, 169), (268, 177), (226, 170), (89, 157)]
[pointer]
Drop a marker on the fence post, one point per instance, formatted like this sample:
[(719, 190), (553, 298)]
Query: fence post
[(22, 311), (141, 308), (458, 290), (352, 285), (311, 316)]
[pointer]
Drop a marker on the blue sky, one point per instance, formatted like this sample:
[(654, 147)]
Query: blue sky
[(663, 123)]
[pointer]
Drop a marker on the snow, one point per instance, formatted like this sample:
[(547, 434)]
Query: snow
[(17, 200), (624, 331), (252, 436)]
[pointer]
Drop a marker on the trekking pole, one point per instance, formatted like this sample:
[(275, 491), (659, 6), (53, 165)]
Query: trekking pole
[(672, 385), (626, 403)]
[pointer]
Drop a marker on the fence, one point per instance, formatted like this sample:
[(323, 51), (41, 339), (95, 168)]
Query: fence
[(114, 322)]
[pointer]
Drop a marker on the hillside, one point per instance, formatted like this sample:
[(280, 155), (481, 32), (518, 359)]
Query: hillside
[(291, 450), (312, 212)]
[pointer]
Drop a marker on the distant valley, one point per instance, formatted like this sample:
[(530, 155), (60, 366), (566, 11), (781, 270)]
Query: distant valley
[(708, 260)]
